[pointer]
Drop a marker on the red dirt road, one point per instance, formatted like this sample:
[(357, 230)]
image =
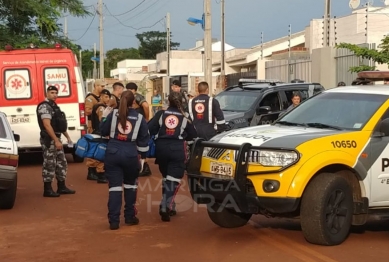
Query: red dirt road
[(75, 229)]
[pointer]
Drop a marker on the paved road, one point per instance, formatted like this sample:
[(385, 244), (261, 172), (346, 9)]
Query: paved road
[(75, 229)]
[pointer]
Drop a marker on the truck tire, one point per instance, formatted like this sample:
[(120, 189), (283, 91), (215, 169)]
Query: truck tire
[(227, 218), (326, 210), (8, 197)]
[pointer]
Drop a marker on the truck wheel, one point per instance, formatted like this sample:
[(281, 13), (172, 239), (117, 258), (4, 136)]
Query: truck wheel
[(7, 197), (77, 159), (225, 217), (326, 210)]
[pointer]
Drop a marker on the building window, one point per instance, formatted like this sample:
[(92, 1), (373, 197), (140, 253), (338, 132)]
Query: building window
[(17, 84)]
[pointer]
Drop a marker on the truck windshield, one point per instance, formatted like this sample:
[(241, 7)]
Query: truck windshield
[(336, 110), (236, 101)]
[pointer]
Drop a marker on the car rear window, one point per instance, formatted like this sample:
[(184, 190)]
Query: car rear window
[(3, 133)]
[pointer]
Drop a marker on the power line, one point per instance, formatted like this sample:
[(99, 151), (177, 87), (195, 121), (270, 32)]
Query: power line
[(130, 9), (141, 12), (132, 26), (87, 27)]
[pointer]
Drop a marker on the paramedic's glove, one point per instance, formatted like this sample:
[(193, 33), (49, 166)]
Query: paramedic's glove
[(106, 111)]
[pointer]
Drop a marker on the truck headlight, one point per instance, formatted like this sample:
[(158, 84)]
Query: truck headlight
[(277, 158)]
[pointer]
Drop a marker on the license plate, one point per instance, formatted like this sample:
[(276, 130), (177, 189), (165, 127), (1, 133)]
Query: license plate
[(221, 169), (20, 120)]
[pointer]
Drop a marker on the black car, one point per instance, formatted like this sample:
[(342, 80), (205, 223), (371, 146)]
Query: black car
[(258, 102)]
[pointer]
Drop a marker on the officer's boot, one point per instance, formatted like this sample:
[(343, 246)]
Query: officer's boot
[(114, 207), (48, 190), (91, 173), (146, 170), (101, 179), (63, 190), (130, 210)]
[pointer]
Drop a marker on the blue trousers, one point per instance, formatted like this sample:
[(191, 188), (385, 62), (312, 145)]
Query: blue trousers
[(122, 170), (170, 157)]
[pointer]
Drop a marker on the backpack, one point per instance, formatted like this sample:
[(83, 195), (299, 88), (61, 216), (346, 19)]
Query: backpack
[(151, 152), (91, 146)]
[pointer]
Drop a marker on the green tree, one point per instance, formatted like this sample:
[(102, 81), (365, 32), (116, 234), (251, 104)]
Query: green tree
[(380, 56), (116, 55), (153, 42), (30, 21)]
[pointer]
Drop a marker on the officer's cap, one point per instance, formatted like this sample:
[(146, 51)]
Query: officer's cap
[(192, 93), (52, 88), (176, 83), (105, 92)]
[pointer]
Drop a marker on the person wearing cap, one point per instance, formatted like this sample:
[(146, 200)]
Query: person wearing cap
[(52, 124), (97, 115), (191, 95), (206, 113), (142, 107), (91, 100), (176, 87), (117, 90)]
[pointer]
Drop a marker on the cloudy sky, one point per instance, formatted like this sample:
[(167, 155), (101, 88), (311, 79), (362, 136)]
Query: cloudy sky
[(245, 20)]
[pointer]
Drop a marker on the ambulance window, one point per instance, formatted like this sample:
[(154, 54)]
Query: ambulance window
[(17, 84), (59, 77)]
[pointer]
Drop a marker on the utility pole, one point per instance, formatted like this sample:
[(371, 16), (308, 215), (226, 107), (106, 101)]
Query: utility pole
[(168, 49), (223, 43), (101, 40), (261, 45), (289, 50), (66, 27), (327, 17), (94, 62), (208, 44)]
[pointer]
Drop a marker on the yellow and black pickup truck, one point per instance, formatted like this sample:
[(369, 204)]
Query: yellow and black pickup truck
[(325, 162)]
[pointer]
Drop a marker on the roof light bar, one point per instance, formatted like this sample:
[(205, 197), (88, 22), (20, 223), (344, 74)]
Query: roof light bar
[(245, 80)]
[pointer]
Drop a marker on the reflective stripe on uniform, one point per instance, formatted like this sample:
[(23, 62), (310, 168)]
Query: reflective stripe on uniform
[(137, 126), (130, 186), (183, 125), (221, 122), (143, 148), (170, 178), (160, 124), (115, 189), (190, 109), (210, 110), (113, 123)]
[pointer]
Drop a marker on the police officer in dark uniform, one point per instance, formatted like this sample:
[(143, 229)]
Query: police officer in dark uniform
[(142, 107), (129, 138), (117, 90), (176, 87), (171, 128), (52, 123), (206, 113)]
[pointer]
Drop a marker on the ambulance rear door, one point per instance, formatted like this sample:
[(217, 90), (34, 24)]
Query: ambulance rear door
[(19, 96), (60, 73)]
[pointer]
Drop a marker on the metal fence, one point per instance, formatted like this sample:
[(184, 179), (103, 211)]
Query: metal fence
[(346, 59), (280, 69)]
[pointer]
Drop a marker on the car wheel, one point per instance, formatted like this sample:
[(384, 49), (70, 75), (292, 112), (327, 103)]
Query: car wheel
[(326, 210), (8, 197), (226, 217), (77, 159)]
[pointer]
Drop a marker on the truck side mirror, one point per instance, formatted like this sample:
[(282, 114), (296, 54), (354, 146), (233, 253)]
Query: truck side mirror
[(263, 110)]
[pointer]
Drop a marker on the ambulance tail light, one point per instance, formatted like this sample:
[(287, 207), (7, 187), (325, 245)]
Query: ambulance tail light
[(58, 46), (81, 107), (8, 48)]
